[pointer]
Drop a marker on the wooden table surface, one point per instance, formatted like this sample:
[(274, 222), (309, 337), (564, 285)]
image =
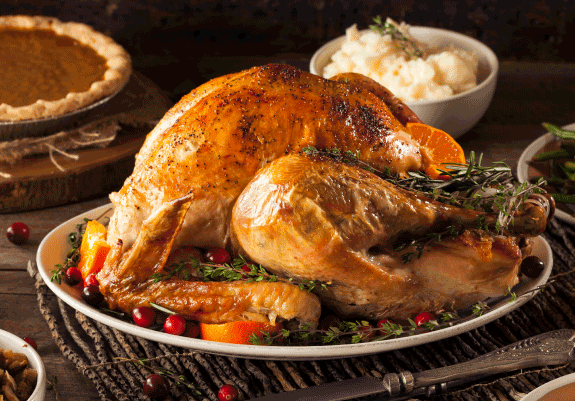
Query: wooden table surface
[(527, 94)]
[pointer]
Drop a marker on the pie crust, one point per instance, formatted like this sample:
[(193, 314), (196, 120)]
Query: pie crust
[(115, 72)]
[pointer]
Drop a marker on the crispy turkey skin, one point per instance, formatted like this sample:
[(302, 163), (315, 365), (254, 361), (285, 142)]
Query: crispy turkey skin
[(216, 138), (318, 219), (240, 136)]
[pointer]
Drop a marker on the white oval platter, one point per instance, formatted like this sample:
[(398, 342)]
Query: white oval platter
[(55, 245)]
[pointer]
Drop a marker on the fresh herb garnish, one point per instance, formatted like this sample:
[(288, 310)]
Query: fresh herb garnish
[(238, 269), (471, 186), (414, 247), (389, 28), (73, 256), (346, 332)]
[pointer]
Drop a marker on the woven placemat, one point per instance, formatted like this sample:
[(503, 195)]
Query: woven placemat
[(109, 358)]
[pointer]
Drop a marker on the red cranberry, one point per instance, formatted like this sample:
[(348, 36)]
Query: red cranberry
[(92, 295), (192, 330), (218, 255), (144, 316), (31, 341), (423, 318), (91, 280), (228, 393), (368, 332), (444, 177), (175, 324), (382, 323), (72, 276), (246, 269), (18, 233), (155, 386)]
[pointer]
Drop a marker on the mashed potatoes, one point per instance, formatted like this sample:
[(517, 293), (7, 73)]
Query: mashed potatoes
[(432, 76)]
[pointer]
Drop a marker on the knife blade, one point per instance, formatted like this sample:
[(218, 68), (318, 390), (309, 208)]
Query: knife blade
[(335, 391), (552, 348)]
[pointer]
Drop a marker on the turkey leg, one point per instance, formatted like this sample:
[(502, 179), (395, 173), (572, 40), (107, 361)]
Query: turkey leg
[(318, 219)]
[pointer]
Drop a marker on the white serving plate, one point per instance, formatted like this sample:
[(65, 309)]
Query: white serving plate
[(523, 173), (540, 392), (16, 344), (55, 245)]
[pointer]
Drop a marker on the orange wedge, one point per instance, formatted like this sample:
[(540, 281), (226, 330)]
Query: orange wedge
[(438, 148), (94, 248), (237, 332)]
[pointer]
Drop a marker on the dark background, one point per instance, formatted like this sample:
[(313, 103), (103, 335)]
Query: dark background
[(181, 44)]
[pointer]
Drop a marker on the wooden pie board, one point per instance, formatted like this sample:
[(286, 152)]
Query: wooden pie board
[(37, 183)]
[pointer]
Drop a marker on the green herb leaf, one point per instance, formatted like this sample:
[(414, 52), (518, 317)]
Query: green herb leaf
[(388, 28)]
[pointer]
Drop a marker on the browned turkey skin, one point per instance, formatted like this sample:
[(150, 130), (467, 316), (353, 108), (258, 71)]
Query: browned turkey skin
[(317, 219), (217, 137), (195, 164), (126, 281)]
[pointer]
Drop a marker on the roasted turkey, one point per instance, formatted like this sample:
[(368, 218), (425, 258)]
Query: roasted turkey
[(318, 219), (303, 218), (216, 138)]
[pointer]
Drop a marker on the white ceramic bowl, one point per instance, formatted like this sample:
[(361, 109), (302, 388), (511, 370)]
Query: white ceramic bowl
[(525, 171), (456, 114), (16, 344), (553, 391)]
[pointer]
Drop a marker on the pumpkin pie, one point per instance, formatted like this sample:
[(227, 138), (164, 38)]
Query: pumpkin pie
[(50, 68)]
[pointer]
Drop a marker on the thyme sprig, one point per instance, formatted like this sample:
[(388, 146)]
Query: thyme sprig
[(415, 247), (362, 331), (469, 185), (390, 28), (73, 255), (193, 269)]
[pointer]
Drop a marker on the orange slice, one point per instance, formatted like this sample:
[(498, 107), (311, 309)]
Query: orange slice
[(237, 332), (438, 148), (94, 249)]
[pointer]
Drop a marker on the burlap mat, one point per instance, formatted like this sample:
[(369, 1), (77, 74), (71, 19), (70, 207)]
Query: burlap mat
[(94, 349)]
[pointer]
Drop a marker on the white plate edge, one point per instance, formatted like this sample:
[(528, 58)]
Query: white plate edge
[(269, 352), (549, 386), (526, 156)]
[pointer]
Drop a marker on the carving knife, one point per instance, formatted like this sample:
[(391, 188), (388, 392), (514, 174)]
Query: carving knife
[(552, 348)]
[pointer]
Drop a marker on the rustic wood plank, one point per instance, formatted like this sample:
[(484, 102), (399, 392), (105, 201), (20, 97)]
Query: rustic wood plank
[(17, 282), (40, 222)]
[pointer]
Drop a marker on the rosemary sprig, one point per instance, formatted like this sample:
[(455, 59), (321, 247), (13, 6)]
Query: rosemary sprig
[(73, 255), (389, 28), (414, 247), (238, 269), (469, 185), (178, 379)]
